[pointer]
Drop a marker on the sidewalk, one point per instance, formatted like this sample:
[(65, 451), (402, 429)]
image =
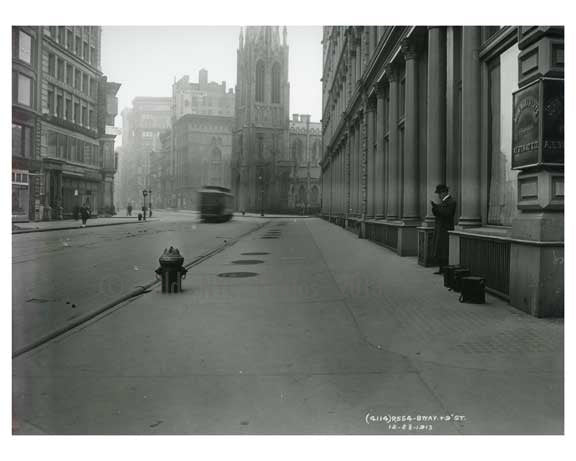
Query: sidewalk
[(65, 224), (312, 331)]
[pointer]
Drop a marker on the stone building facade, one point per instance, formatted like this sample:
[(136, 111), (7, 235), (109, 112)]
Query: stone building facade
[(202, 98), (62, 123), (142, 125), (201, 155), (305, 152), (478, 108), (264, 173)]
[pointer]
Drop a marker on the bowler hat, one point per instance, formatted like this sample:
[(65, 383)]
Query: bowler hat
[(441, 188)]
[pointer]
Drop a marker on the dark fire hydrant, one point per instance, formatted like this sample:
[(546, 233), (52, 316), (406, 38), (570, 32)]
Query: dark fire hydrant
[(171, 270)]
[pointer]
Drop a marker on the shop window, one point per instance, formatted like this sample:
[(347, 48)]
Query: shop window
[(24, 47), (24, 90), (502, 187)]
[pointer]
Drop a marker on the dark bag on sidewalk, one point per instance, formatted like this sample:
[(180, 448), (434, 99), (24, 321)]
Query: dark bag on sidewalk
[(457, 276), (448, 272), (473, 290)]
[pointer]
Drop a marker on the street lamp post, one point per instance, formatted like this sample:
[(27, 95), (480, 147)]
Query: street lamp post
[(261, 195), (144, 193), (150, 202)]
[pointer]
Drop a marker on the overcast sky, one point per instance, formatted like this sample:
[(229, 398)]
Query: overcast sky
[(145, 60)]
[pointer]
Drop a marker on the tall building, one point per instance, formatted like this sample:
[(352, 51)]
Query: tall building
[(202, 123), (271, 165), (480, 109), (63, 114), (142, 125)]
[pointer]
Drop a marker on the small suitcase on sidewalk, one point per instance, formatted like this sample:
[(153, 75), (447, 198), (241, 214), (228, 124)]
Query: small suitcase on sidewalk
[(458, 274), (473, 290), (448, 272)]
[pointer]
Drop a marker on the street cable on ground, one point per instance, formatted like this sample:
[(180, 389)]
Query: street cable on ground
[(140, 290)]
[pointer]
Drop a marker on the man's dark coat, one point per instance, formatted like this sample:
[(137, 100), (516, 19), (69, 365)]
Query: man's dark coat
[(444, 213)]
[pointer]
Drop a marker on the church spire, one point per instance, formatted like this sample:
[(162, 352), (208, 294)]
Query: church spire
[(284, 33)]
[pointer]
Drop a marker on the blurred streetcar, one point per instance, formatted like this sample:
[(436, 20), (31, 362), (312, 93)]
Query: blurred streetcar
[(216, 204)]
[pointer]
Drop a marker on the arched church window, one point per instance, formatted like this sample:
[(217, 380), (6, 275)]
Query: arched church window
[(260, 81), (297, 150), (314, 195), (276, 83)]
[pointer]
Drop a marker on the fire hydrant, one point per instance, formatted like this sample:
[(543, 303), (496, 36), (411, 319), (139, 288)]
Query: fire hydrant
[(171, 270)]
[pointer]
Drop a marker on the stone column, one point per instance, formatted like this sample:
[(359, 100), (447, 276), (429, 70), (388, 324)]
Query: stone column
[(392, 208), (537, 251), (370, 160), (471, 113), (436, 116), (410, 212), (379, 180)]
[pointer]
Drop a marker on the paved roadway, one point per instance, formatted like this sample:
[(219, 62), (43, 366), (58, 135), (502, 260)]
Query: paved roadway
[(60, 275), (331, 335)]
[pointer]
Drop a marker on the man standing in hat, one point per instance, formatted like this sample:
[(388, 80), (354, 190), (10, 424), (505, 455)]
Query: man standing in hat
[(444, 213)]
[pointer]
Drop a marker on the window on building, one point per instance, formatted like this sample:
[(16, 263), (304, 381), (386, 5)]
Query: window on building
[(51, 108), (77, 79), (84, 83), (93, 55), (21, 140), (69, 39), (68, 110), (276, 83), (59, 106), (88, 154), (91, 119), (52, 143), (71, 150), (84, 116), (79, 46), (51, 65), (60, 70), (77, 113), (260, 81), (62, 141), (69, 74), (24, 90), (53, 32), (92, 88), (297, 150), (502, 187), (62, 35), (86, 55), (24, 47)]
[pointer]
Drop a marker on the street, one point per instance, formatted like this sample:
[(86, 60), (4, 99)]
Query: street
[(60, 275), (310, 331)]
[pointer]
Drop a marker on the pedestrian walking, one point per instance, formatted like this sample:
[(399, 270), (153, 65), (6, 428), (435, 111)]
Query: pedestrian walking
[(144, 212), (84, 214), (129, 209), (444, 212)]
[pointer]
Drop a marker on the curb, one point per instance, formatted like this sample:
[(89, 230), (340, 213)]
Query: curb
[(28, 231), (139, 290)]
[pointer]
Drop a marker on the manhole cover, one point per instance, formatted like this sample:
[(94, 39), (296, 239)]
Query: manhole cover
[(255, 253), (237, 274), (247, 261)]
